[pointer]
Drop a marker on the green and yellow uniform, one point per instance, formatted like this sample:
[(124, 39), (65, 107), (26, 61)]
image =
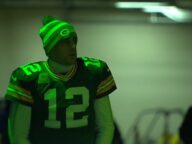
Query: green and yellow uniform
[(62, 104)]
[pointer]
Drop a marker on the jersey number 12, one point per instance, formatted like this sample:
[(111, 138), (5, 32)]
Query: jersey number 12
[(52, 122)]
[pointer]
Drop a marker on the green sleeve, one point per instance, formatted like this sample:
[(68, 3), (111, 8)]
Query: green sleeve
[(19, 88), (106, 81)]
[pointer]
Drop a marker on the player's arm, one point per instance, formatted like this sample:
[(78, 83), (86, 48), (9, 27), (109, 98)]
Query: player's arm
[(104, 121), (104, 118), (20, 100), (19, 123)]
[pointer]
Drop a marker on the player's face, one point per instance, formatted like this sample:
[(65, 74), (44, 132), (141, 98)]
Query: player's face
[(65, 52)]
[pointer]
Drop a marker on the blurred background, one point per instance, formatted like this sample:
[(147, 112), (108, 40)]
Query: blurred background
[(146, 44)]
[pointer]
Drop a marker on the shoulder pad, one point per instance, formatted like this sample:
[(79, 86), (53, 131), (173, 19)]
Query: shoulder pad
[(93, 64), (28, 71)]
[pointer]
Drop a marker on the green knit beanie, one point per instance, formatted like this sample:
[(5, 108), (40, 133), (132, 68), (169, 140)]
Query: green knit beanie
[(53, 31)]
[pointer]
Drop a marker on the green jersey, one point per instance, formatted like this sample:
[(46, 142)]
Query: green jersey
[(62, 104)]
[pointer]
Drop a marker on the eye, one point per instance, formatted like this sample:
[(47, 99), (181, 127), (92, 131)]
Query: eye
[(71, 40)]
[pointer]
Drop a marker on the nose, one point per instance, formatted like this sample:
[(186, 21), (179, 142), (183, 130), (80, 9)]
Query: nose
[(72, 43)]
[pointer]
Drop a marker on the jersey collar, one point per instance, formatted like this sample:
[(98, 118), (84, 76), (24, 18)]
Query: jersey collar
[(58, 76)]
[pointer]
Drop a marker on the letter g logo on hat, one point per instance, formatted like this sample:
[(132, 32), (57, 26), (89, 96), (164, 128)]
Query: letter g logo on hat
[(64, 32)]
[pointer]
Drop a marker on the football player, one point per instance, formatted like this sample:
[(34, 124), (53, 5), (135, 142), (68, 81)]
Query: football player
[(185, 130), (3, 122), (63, 100)]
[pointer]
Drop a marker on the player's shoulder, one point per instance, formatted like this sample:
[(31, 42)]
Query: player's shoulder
[(93, 63), (28, 71)]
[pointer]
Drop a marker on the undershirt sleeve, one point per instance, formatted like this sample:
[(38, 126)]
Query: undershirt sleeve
[(19, 123), (104, 121)]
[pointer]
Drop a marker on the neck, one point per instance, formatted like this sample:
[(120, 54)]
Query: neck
[(59, 68)]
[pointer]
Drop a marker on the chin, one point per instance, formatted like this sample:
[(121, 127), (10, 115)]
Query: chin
[(72, 61)]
